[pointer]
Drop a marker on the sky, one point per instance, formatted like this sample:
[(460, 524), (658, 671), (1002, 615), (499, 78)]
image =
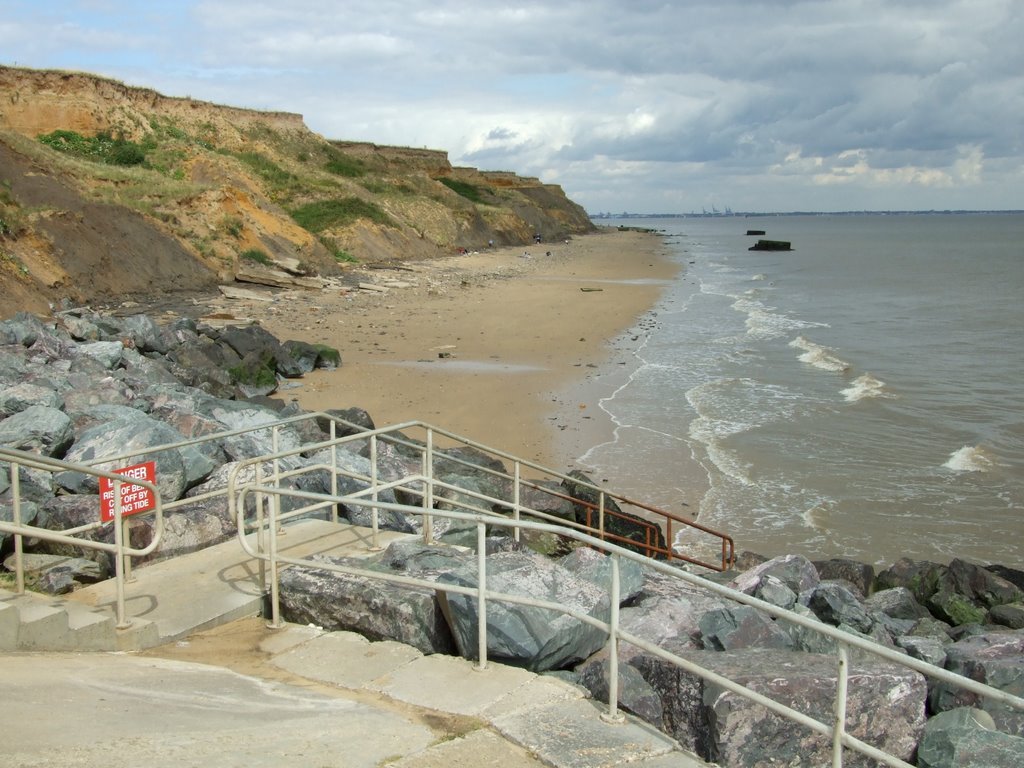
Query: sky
[(640, 106)]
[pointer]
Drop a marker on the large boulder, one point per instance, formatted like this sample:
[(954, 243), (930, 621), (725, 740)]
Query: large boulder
[(965, 592), (920, 577), (374, 608), (885, 708), (795, 571), (996, 659), (966, 737), (521, 635), (40, 429)]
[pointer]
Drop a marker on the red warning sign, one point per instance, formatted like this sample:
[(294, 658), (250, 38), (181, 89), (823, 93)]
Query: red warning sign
[(134, 498)]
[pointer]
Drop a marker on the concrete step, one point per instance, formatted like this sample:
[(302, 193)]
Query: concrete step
[(38, 622)]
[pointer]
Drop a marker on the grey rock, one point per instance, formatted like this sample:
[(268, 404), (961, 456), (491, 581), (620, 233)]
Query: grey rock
[(775, 592), (861, 575), (795, 571), (929, 649), (134, 436), (536, 638), (920, 577), (897, 602), (106, 353), (1009, 615), (21, 395), (885, 708), (596, 567), (834, 604), (38, 428), (741, 626), (996, 659), (967, 737), (373, 608)]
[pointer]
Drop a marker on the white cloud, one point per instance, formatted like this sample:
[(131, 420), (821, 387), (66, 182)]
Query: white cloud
[(783, 104)]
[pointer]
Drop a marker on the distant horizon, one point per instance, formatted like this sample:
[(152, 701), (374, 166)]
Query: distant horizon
[(736, 214)]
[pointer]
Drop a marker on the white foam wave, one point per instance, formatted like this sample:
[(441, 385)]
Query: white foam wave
[(970, 458), (863, 387), (819, 356)]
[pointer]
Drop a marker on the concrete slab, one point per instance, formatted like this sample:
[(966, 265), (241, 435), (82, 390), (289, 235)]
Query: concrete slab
[(347, 660), (167, 714), (572, 735), (479, 749), (451, 684)]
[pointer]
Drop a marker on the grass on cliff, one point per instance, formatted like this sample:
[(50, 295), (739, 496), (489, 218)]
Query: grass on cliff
[(329, 214), (101, 148), (464, 189)]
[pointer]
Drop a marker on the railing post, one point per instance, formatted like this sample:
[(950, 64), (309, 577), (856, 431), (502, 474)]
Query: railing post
[(374, 511), (600, 515), (275, 594), (19, 563), (481, 595), (260, 532), (275, 446), (428, 492), (122, 619), (613, 715), (334, 471), (517, 474), (839, 722)]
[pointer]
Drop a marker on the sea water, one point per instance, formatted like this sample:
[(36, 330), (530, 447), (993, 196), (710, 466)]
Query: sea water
[(861, 395)]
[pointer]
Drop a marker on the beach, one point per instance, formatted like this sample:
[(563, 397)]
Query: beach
[(481, 344)]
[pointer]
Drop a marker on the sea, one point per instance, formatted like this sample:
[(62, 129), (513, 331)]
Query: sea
[(859, 396)]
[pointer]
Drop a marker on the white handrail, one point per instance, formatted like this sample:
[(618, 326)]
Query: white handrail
[(835, 731), (119, 549)]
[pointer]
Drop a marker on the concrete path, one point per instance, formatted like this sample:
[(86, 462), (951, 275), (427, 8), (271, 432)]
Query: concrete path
[(299, 697)]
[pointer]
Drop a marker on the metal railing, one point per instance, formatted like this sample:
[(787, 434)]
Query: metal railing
[(121, 551), (267, 551)]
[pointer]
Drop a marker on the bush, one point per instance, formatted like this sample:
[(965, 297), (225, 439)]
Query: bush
[(463, 189), (327, 214), (255, 254), (101, 148)]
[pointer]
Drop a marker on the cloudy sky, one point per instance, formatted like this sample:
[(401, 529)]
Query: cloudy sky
[(758, 105)]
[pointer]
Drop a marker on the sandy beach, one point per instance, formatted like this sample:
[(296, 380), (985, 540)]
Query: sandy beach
[(481, 343)]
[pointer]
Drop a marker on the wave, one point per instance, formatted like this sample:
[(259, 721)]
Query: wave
[(970, 458), (865, 386), (819, 356)]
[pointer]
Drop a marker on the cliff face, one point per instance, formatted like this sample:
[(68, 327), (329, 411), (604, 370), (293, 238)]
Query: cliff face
[(108, 190)]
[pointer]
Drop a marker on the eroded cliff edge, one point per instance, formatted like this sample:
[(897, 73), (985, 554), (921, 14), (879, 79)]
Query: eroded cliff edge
[(109, 190)]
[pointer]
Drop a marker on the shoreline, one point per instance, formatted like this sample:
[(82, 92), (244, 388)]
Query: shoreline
[(487, 345)]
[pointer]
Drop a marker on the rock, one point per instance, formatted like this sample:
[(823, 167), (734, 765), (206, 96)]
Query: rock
[(622, 528), (521, 635), (55, 574), (1010, 615), (133, 435), (741, 626), (39, 429), (860, 575), (967, 737), (884, 708), (834, 604), (596, 567), (106, 353), (635, 694), (920, 577), (1013, 575), (996, 659), (897, 602), (929, 649), (773, 591), (373, 608), (22, 395), (965, 591), (795, 571)]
